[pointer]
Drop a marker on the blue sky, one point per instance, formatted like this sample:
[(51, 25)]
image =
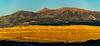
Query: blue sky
[(10, 6)]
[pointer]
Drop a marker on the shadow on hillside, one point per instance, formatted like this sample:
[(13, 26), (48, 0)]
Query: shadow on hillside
[(13, 43), (91, 23)]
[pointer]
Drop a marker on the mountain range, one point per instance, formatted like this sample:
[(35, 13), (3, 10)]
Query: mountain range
[(60, 16)]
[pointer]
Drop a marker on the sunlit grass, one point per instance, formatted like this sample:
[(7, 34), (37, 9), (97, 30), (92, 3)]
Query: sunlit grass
[(50, 33)]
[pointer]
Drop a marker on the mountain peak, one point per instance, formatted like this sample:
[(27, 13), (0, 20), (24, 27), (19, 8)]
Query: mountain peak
[(24, 14), (23, 11), (44, 10)]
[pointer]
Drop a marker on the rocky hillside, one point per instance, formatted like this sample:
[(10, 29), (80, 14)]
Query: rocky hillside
[(47, 16)]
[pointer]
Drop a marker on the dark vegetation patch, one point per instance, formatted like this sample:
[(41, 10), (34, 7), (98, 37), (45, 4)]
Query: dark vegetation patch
[(92, 23), (14, 43)]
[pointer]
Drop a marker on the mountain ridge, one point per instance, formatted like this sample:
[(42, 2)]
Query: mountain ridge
[(61, 16)]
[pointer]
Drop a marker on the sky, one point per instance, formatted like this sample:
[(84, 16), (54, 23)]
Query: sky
[(10, 6)]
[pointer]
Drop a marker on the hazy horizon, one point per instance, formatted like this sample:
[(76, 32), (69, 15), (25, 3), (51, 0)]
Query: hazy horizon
[(10, 6)]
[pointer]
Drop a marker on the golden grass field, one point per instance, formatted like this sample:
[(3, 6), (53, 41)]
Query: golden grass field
[(36, 33)]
